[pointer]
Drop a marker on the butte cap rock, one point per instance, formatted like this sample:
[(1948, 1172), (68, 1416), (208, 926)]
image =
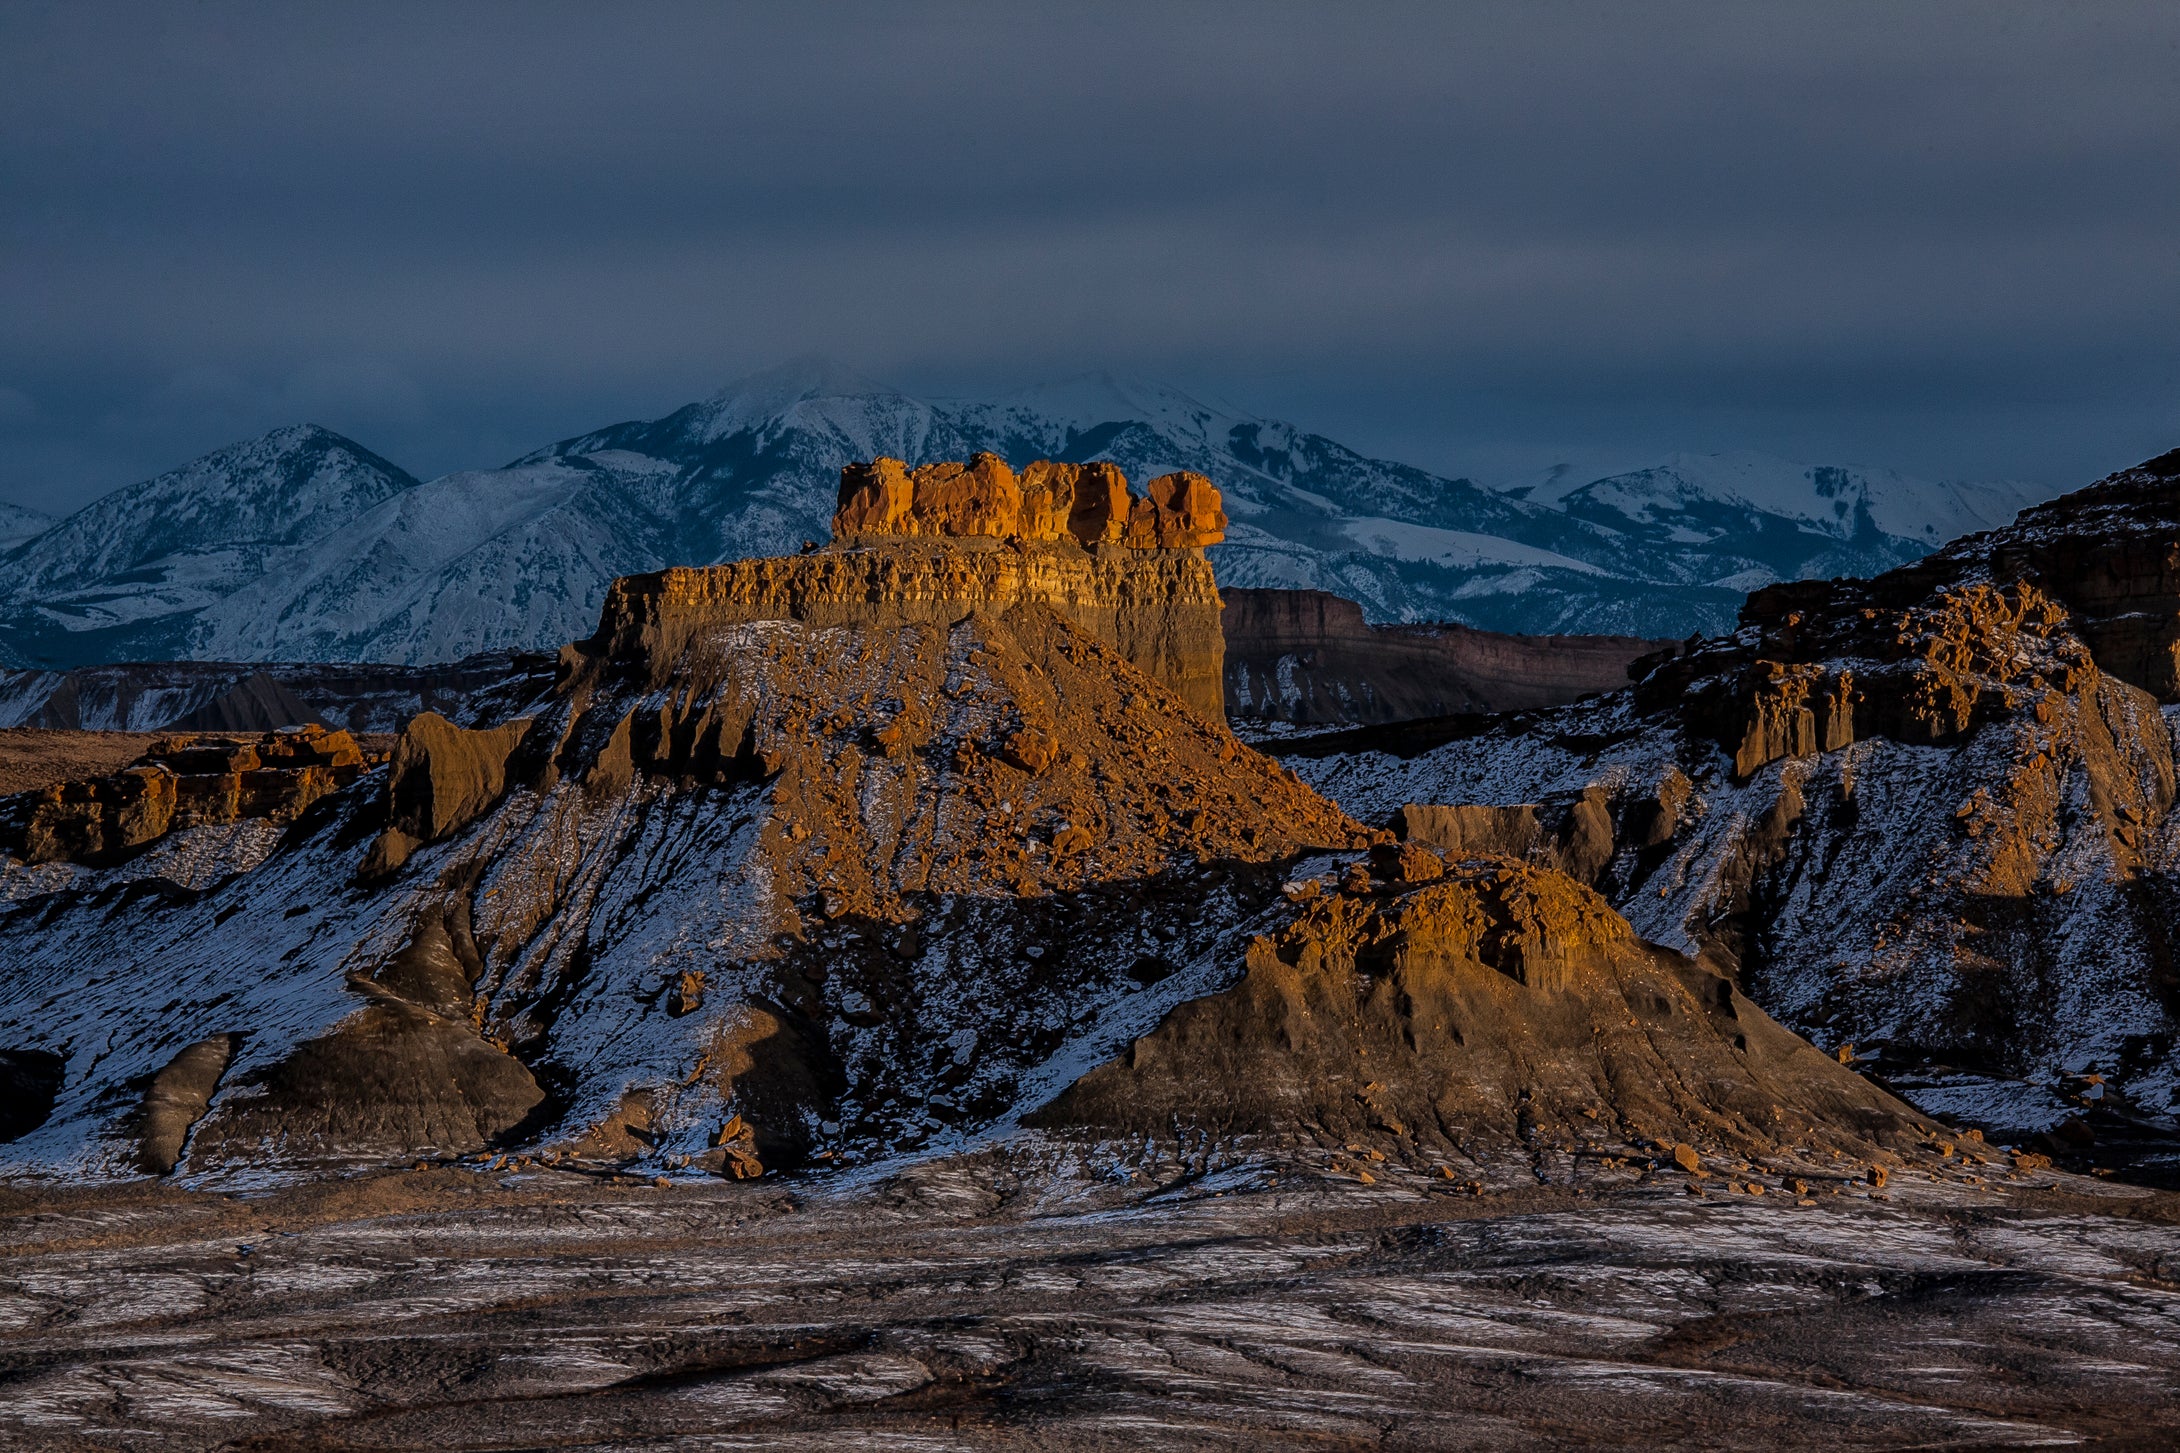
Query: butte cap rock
[(1048, 503), (934, 544)]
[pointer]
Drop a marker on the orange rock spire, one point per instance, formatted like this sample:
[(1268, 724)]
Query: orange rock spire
[(1087, 504)]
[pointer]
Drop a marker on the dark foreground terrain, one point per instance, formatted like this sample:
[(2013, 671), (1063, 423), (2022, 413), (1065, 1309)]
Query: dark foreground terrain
[(951, 1306)]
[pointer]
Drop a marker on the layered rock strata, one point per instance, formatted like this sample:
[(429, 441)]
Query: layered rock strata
[(1307, 658), (931, 545)]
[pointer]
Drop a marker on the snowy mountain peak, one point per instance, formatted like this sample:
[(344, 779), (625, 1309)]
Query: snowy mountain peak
[(1740, 478), (771, 392), (1105, 397), (132, 569), (1689, 491), (284, 487), (18, 524)]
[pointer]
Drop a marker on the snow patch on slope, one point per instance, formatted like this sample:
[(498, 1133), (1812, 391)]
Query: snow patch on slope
[(1452, 549), (1825, 497)]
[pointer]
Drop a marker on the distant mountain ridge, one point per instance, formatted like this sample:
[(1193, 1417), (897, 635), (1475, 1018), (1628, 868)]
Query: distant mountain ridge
[(1773, 512), (303, 545), (138, 573), (18, 524)]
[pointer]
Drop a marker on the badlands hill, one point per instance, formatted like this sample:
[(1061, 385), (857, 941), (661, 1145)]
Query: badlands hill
[(1928, 816), (926, 837)]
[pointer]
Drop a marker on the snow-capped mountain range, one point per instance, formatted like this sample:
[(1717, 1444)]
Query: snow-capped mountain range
[(303, 545)]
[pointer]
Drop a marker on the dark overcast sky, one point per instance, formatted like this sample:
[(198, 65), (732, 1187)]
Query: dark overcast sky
[(1945, 237)]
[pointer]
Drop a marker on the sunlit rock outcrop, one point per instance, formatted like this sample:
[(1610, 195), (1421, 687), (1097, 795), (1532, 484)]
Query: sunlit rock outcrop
[(1928, 815)]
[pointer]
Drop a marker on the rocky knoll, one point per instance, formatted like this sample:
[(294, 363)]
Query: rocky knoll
[(179, 783), (1928, 815), (1308, 658), (1469, 1014)]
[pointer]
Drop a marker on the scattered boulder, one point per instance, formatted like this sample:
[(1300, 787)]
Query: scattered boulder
[(177, 1100), (440, 779), (733, 1153)]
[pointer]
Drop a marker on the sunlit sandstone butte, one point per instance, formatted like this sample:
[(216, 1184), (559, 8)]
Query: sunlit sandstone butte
[(935, 543)]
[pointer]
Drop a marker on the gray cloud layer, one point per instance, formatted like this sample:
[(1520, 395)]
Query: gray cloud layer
[(1480, 237)]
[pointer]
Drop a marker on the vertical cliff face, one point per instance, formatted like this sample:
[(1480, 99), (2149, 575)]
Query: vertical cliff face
[(931, 545), (1308, 657)]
